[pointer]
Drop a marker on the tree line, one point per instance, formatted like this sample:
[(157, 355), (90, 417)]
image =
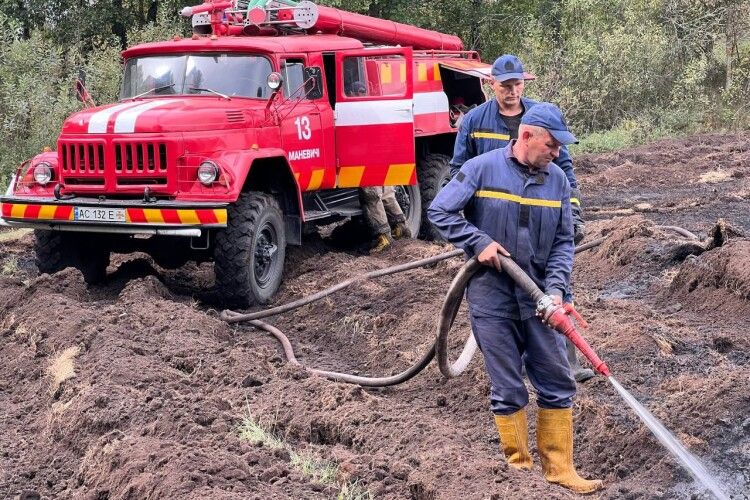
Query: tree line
[(644, 66)]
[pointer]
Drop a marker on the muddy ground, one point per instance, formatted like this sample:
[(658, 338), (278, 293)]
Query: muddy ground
[(136, 389)]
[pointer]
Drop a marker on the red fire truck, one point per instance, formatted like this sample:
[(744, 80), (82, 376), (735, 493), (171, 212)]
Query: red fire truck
[(225, 144)]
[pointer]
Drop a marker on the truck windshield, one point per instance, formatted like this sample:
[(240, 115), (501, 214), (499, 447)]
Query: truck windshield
[(233, 75)]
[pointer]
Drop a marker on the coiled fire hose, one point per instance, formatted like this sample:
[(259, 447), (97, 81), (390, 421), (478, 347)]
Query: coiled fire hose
[(555, 316)]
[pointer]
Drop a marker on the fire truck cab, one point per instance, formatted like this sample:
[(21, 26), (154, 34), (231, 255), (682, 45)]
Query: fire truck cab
[(224, 145)]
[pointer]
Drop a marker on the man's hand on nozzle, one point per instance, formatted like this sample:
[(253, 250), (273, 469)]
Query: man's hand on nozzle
[(488, 256)]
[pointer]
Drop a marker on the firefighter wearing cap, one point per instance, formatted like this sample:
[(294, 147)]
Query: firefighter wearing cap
[(515, 199), (492, 125)]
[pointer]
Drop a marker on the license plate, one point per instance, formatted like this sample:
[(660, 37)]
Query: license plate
[(99, 214)]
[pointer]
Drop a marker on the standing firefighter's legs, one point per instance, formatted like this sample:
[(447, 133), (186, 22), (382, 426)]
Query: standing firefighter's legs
[(500, 342), (503, 342), (394, 213), (371, 199)]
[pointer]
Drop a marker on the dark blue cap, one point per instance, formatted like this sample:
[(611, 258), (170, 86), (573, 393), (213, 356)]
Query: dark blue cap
[(509, 67), (549, 117)]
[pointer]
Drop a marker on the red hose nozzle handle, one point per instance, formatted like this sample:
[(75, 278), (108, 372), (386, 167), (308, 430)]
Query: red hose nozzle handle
[(571, 310), (558, 318)]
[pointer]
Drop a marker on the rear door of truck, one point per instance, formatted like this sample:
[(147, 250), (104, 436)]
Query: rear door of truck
[(374, 117)]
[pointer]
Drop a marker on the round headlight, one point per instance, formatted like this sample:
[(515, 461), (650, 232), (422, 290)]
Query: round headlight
[(208, 172), (275, 80), (43, 173)]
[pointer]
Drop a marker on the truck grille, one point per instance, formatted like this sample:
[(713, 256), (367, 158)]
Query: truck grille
[(139, 157), (115, 163), (87, 158)]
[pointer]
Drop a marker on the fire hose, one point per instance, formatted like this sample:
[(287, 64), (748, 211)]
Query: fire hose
[(555, 316)]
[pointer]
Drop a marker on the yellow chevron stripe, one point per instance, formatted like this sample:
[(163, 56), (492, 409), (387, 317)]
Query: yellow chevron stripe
[(221, 215), (421, 72), (519, 199), (436, 72), (350, 176), (490, 135), (153, 215), (188, 216), (47, 212), (18, 211), (315, 179), (399, 174), (386, 73)]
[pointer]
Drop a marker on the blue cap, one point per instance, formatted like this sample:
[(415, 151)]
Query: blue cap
[(549, 117), (509, 67)]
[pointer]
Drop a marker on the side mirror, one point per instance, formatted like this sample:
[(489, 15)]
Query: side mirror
[(313, 83), (275, 80)]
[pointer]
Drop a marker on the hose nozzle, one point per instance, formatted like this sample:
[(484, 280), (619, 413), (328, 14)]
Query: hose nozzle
[(558, 318)]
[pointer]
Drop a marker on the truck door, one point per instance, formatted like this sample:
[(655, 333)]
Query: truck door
[(374, 117), (301, 132)]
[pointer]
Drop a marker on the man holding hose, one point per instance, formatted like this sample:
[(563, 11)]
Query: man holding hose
[(495, 123), (516, 201)]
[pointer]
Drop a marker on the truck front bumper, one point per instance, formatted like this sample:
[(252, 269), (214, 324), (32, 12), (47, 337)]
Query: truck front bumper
[(113, 216)]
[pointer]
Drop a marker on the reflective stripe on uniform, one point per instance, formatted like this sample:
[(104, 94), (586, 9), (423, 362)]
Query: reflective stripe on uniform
[(500, 195), (575, 201), (490, 135)]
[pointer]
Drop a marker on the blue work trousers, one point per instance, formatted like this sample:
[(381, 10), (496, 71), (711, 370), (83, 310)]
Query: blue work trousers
[(503, 343)]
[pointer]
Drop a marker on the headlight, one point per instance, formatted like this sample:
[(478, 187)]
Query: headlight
[(208, 172), (43, 173)]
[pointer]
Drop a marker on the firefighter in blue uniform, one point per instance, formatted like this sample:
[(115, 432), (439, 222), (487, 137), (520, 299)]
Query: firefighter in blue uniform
[(516, 201), (495, 123)]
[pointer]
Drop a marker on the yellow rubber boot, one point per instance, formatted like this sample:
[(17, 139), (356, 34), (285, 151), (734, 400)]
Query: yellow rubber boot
[(382, 243), (554, 436), (400, 231), (514, 439)]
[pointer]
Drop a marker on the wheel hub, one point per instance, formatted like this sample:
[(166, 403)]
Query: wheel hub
[(266, 251)]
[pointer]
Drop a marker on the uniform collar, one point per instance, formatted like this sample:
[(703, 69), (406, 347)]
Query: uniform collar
[(524, 169)]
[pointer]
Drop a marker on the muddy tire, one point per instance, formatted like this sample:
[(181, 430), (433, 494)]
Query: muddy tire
[(433, 173), (56, 250), (249, 253), (52, 252), (410, 200)]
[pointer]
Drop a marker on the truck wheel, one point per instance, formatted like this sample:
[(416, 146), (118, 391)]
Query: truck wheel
[(57, 250), (92, 258), (249, 253), (52, 252), (410, 201), (433, 173)]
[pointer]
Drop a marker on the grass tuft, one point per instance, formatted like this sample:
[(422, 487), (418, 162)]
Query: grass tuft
[(319, 470), (10, 266), (62, 368)]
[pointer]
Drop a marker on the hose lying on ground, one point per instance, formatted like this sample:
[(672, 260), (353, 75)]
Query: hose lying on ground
[(451, 304), (234, 317)]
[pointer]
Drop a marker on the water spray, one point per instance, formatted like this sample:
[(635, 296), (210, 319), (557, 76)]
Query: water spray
[(558, 317)]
